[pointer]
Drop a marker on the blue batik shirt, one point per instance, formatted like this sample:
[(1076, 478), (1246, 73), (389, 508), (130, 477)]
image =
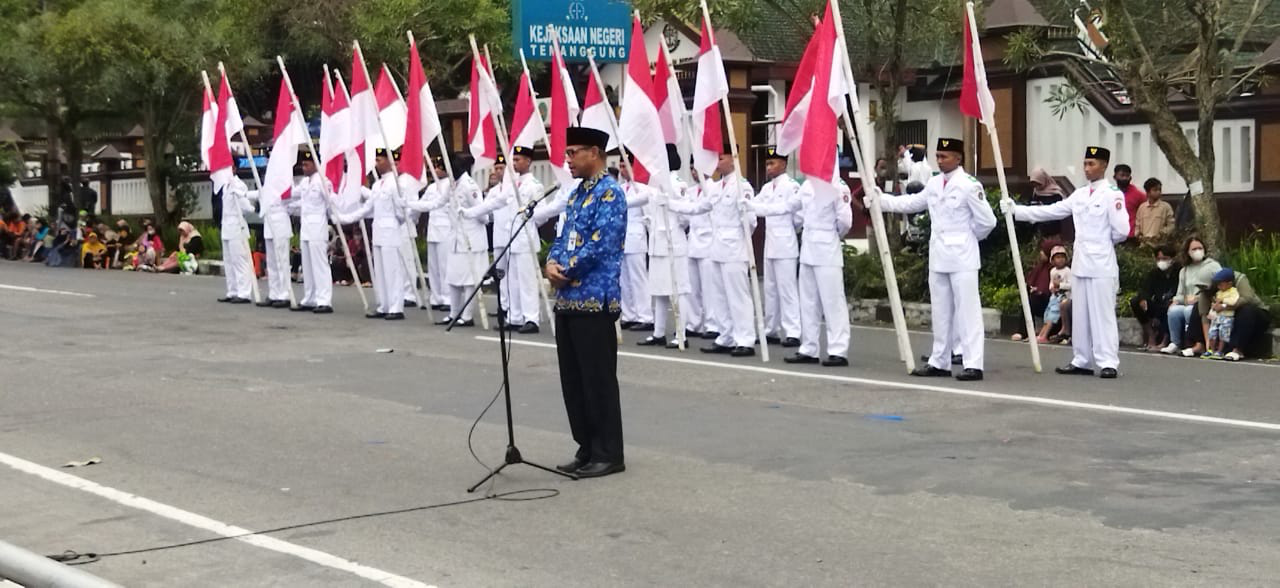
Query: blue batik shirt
[(590, 247)]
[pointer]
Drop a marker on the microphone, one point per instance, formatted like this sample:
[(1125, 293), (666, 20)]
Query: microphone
[(528, 209)]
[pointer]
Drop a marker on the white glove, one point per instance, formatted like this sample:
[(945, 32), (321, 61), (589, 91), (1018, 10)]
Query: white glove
[(1007, 205), (870, 196)]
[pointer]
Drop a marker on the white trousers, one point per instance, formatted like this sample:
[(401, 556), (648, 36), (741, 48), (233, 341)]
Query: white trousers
[(781, 298), (317, 279), (822, 299), (637, 306), (956, 311), (278, 269), (693, 311), (437, 263), (389, 278), (740, 330), (520, 289), (1095, 339), (457, 294), (410, 273), (715, 317), (236, 268)]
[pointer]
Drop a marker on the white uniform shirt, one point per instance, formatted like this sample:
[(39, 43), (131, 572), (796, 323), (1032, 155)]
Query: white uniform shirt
[(505, 204), (666, 220), (638, 195), (235, 204), (917, 171), (701, 233), (311, 206), (732, 243), (780, 241), (388, 210), (826, 218), (1101, 221), (439, 224), (959, 217)]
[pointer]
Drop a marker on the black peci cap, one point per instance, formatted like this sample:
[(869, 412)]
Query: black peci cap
[(586, 136), (1099, 153), (771, 152), (949, 144), (522, 150)]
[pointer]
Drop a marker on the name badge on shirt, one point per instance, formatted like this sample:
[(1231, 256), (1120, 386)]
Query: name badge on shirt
[(573, 241)]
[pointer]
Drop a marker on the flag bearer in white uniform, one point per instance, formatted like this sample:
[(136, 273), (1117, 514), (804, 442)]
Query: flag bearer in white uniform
[(469, 249), (702, 318), (522, 279), (383, 201), (1101, 221), (309, 202), (668, 253), (439, 237), (637, 306), (728, 197), (277, 231), (236, 268), (781, 253), (959, 217)]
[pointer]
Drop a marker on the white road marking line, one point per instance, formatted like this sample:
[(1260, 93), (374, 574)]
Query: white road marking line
[(208, 524), (42, 290), (1178, 416)]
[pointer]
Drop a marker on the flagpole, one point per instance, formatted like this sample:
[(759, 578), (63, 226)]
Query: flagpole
[(684, 121), (1008, 215), (863, 153), (413, 240), (248, 249), (748, 235), (671, 249), (504, 140), (328, 198), (364, 232)]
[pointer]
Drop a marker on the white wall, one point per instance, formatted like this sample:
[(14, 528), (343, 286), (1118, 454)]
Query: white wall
[(1058, 144), (128, 196)]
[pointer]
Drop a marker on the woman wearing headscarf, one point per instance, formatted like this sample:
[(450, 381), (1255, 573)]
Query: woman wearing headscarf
[(190, 248), (1045, 191)]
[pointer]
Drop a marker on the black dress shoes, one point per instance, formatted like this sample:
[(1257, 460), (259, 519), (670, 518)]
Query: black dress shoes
[(444, 321), (928, 371), (528, 328), (303, 308), (375, 315), (240, 301), (800, 358), (790, 342), (717, 349), (770, 339), (439, 307), (322, 309), (651, 341), (742, 351), (572, 466), (956, 359), (1108, 373), (465, 324), (641, 327), (597, 469), (710, 334), (835, 361), (394, 316), (410, 304), (626, 325), (279, 304), (969, 375), (265, 303), (225, 299), (1071, 370)]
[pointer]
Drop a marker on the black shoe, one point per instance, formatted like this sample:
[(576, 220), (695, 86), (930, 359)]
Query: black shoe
[(572, 466), (715, 348), (511, 327), (280, 304), (790, 342), (651, 341), (303, 308), (957, 359), (641, 327), (444, 321), (439, 307), (674, 343), (835, 361), (770, 339), (969, 375), (741, 351), (710, 334), (597, 469), (529, 328), (1108, 373), (410, 304), (928, 371), (1071, 370), (688, 334), (626, 325), (225, 299), (800, 358), (265, 303), (375, 315), (240, 301), (493, 314), (465, 324), (323, 310), (394, 316)]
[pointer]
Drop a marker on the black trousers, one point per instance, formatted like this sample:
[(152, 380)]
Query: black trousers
[(587, 348), (1251, 332), (1157, 310)]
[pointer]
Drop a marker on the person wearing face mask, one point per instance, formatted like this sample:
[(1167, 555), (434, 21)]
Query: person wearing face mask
[(1133, 196), (1101, 222), (1194, 279), (1151, 305)]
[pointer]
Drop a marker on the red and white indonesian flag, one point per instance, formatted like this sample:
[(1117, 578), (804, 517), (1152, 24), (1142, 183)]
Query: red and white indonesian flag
[(335, 131), (666, 94), (816, 98), (422, 124), (526, 121), (640, 126), (352, 174), (207, 120), (290, 132), (709, 88), (364, 106), (596, 111), (221, 165), (975, 96), (235, 124), (392, 114), (564, 110), (482, 133)]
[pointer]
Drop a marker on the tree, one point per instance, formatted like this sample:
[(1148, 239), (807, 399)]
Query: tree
[(1158, 70)]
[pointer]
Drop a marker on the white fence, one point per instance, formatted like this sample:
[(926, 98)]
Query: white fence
[(1058, 144), (129, 196)]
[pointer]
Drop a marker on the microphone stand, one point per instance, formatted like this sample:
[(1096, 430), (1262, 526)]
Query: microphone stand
[(513, 455)]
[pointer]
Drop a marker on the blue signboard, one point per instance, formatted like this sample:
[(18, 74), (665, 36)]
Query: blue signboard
[(599, 26)]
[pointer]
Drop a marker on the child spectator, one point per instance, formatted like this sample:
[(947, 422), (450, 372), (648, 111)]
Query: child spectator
[(1223, 314), (1059, 309), (1155, 220), (93, 253)]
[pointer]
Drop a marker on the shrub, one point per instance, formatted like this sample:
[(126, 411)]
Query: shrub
[(1258, 257)]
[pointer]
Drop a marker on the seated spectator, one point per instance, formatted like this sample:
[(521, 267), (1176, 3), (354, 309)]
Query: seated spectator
[(190, 247), (93, 253), (1155, 220), (64, 249), (1249, 334), (150, 249), (1038, 284), (11, 232), (1151, 305), (35, 242), (1133, 197), (1045, 191), (1187, 330), (1225, 299), (342, 273), (1058, 312)]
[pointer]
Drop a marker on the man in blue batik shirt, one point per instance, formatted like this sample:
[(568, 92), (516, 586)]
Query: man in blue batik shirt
[(584, 265)]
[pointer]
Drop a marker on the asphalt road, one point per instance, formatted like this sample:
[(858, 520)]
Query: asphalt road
[(212, 419)]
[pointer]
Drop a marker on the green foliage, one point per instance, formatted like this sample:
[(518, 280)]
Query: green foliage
[(1258, 256), (1004, 298), (211, 234), (864, 276)]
